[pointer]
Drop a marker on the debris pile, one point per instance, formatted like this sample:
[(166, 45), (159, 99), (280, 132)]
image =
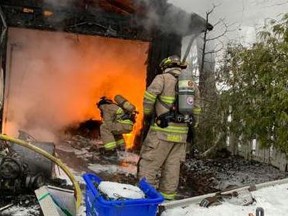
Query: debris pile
[(24, 204), (19, 179), (202, 176)]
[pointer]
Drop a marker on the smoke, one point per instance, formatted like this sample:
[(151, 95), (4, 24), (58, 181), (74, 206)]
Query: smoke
[(150, 14), (178, 21), (55, 79), (171, 19), (59, 3)]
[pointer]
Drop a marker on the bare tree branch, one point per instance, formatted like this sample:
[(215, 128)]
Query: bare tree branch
[(226, 30), (221, 43), (214, 51)]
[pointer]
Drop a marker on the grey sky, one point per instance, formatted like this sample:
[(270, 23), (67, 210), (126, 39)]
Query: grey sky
[(246, 14)]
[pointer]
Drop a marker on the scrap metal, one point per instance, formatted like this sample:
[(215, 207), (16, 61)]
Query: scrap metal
[(186, 202)]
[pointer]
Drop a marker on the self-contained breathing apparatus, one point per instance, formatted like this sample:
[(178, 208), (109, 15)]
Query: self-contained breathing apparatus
[(129, 109), (182, 109)]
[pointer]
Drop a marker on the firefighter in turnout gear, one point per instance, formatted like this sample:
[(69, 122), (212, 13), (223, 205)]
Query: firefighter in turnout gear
[(165, 145), (116, 122)]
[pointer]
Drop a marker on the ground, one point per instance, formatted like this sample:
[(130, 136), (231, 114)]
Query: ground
[(198, 176), (204, 176)]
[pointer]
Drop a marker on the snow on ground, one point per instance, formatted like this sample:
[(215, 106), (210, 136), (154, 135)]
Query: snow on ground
[(272, 199), (110, 169), (127, 165), (128, 157), (21, 211), (59, 173)]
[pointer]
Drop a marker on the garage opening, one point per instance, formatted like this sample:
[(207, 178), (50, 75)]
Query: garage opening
[(54, 79)]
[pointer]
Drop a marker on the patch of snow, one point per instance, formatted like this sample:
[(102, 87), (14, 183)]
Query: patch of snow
[(21, 211), (59, 173), (128, 157), (83, 151), (272, 199), (125, 169)]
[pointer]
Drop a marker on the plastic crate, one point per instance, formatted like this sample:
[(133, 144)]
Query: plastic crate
[(97, 205)]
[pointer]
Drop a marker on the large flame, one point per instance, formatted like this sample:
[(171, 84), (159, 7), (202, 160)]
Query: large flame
[(55, 79)]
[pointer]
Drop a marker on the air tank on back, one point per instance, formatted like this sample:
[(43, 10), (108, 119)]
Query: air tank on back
[(186, 93), (124, 103)]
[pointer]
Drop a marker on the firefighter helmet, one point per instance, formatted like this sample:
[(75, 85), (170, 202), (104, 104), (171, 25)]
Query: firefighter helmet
[(104, 100), (172, 61)]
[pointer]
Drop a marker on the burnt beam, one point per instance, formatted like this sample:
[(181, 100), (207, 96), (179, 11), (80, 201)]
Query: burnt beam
[(92, 22), (124, 7)]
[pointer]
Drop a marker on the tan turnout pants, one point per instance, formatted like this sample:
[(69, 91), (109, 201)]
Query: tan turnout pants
[(112, 134), (159, 155)]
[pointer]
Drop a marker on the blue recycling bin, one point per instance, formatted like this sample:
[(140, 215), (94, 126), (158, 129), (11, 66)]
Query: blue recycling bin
[(97, 205)]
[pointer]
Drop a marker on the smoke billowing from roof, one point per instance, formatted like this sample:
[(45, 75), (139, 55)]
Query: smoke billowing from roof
[(178, 21), (171, 19), (152, 15)]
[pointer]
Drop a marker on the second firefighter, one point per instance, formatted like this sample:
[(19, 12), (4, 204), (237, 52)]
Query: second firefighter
[(117, 121)]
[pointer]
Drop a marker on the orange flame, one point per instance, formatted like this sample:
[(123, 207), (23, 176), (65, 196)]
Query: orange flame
[(56, 78)]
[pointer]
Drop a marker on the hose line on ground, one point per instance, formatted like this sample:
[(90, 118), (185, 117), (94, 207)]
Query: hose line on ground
[(77, 190)]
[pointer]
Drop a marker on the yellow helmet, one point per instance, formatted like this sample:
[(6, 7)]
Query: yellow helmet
[(172, 61)]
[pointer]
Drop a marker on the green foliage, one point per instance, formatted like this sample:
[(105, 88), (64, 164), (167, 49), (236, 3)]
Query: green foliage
[(213, 126), (256, 81)]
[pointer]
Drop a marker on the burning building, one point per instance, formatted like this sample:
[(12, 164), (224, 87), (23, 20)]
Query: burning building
[(59, 57)]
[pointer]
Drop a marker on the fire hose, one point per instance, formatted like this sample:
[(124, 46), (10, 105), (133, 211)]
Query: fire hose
[(77, 190)]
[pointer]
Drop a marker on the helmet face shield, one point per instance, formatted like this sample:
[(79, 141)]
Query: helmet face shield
[(172, 61)]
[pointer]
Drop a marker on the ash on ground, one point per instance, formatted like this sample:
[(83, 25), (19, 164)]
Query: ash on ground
[(204, 176), (22, 205), (26, 204), (198, 176)]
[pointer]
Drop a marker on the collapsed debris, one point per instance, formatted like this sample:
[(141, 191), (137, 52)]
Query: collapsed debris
[(20, 177), (195, 172), (15, 174), (17, 184), (242, 197)]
